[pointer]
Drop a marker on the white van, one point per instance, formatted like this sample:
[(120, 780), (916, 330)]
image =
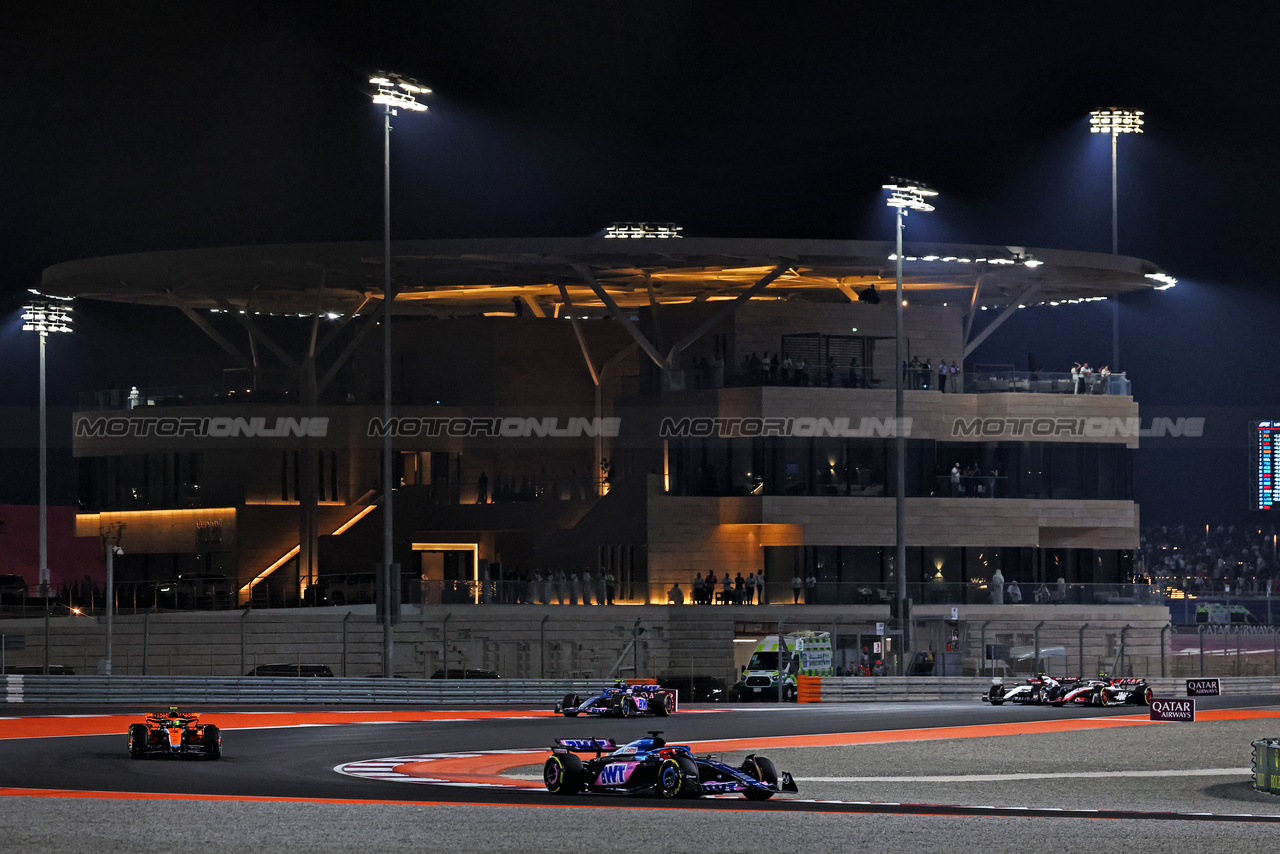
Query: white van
[(809, 653)]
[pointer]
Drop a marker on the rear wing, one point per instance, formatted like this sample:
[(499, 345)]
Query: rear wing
[(587, 745), (1133, 681)]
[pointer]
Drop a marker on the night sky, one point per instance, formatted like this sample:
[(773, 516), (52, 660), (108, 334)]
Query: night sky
[(144, 126)]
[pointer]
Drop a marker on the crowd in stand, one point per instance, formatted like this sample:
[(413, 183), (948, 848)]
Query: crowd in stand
[(1224, 559)]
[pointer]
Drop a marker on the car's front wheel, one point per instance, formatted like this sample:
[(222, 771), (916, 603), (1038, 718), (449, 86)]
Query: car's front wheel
[(671, 782), (761, 769), (569, 706), (663, 705), (563, 774), (1101, 697)]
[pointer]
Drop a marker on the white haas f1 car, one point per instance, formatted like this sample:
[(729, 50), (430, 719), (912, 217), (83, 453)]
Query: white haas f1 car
[(1039, 689), (1105, 692), (621, 700), (649, 766)]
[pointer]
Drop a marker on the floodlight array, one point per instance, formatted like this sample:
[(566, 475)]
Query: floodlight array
[(637, 230), (46, 318), (1115, 121), (395, 90), (909, 195)]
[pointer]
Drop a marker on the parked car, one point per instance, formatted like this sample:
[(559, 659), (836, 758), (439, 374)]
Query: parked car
[(13, 590), (696, 689), (468, 673), (304, 670), (37, 670)]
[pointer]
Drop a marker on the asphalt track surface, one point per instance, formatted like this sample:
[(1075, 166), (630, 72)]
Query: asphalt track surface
[(962, 773)]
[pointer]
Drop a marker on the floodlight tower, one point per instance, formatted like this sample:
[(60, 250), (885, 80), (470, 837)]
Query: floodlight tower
[(904, 196), (394, 91), (1115, 122), (45, 316)]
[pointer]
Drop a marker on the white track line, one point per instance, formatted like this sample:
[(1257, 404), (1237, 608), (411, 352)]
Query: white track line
[(992, 778)]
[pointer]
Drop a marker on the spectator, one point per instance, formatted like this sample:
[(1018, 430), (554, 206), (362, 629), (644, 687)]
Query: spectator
[(1015, 593), (675, 596), (727, 591), (797, 584), (699, 589), (997, 587), (751, 589), (810, 587)]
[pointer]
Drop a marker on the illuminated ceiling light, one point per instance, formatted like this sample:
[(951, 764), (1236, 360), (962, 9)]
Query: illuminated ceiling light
[(929, 258), (1166, 281), (1116, 121), (638, 230), (1032, 262)]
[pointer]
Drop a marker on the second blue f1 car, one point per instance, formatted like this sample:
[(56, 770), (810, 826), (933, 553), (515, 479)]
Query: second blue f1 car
[(651, 766), (621, 700)]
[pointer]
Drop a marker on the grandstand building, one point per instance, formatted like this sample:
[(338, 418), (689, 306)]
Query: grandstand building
[(644, 407)]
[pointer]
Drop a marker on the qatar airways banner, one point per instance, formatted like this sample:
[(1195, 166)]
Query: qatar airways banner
[(1203, 687), (1173, 710)]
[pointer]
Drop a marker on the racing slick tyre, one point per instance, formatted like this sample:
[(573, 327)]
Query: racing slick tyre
[(761, 769), (995, 696), (624, 706), (570, 702), (671, 782), (663, 705), (1145, 696), (1100, 697), (211, 739), (691, 777), (138, 740), (563, 774)]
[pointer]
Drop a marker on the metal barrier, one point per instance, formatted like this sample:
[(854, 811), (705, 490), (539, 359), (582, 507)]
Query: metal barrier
[(1266, 765), (873, 689), (150, 690)]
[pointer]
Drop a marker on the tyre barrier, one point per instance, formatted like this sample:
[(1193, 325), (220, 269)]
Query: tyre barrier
[(1266, 765), (181, 690)]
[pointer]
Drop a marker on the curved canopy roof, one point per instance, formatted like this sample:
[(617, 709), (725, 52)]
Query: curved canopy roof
[(459, 277)]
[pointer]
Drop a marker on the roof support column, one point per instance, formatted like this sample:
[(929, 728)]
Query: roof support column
[(621, 317), (730, 307), (1001, 318)]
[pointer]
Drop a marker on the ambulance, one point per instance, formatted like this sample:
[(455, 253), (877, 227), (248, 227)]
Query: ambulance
[(808, 653)]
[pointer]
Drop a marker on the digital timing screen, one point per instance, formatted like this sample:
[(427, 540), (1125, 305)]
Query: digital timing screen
[(1267, 435)]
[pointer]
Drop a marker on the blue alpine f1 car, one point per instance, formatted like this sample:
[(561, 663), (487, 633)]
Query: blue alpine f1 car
[(621, 700), (651, 766)]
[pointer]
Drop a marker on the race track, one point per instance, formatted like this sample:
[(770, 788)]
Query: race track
[(890, 773)]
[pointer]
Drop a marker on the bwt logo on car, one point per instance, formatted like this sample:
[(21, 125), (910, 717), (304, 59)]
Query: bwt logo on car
[(615, 773), (1094, 427), (117, 427), (506, 427), (727, 428)]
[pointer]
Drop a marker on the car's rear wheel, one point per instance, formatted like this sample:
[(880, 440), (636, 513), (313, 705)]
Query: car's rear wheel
[(671, 782), (1146, 696), (761, 769), (570, 705), (138, 740), (211, 738), (562, 774)]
